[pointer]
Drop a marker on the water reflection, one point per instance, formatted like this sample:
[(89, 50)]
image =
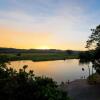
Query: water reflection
[(91, 68), (59, 70)]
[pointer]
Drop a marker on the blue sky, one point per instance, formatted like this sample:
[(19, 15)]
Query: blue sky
[(59, 24)]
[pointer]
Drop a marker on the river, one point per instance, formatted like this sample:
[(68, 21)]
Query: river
[(59, 70)]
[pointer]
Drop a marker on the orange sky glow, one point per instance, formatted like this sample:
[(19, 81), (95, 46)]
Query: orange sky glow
[(47, 24)]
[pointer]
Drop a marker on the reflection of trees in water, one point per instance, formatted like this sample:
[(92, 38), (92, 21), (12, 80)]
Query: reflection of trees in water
[(89, 64)]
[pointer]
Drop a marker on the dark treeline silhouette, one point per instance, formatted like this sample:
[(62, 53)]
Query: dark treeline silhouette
[(13, 50), (38, 54), (24, 85), (87, 55)]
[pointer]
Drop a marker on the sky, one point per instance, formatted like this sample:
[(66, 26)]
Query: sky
[(47, 24)]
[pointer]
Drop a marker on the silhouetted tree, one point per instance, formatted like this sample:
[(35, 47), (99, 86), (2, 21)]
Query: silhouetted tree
[(69, 52), (94, 39), (94, 43), (18, 54)]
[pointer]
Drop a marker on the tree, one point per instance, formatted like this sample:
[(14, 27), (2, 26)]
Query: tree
[(94, 43), (69, 52), (94, 39)]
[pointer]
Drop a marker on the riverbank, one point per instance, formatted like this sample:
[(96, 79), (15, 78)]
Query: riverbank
[(81, 90), (40, 56)]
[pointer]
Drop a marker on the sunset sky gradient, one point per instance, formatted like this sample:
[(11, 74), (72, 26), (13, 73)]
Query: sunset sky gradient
[(47, 24)]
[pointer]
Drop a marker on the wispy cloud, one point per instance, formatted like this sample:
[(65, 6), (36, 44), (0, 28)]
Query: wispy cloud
[(63, 21)]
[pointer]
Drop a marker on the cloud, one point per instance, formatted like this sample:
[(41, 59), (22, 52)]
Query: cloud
[(15, 15), (58, 22), (61, 24)]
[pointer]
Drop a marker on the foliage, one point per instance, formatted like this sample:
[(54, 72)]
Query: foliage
[(94, 42), (24, 85), (94, 39), (87, 56), (94, 79)]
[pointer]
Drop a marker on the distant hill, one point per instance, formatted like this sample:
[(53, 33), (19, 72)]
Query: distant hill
[(14, 50)]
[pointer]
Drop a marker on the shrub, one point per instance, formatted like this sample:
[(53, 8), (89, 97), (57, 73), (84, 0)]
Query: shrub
[(24, 85)]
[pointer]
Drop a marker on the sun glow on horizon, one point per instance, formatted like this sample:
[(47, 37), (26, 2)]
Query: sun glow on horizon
[(43, 47), (47, 24)]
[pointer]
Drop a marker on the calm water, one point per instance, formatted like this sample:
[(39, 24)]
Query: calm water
[(59, 70)]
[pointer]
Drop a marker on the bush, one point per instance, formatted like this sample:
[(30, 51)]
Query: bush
[(94, 79), (24, 85)]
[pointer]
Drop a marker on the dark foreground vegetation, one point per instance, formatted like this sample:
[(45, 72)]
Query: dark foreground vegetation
[(24, 85), (38, 55)]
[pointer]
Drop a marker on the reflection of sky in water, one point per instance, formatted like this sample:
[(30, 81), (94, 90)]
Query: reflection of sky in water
[(59, 70)]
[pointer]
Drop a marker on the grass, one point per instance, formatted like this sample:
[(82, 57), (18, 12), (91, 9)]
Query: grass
[(94, 79), (41, 56)]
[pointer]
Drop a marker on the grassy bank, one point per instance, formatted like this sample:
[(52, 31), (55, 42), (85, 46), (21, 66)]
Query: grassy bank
[(40, 56), (94, 79)]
